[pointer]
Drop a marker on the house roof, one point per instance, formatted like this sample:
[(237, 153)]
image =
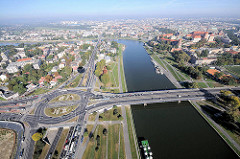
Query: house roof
[(212, 71), (25, 59)]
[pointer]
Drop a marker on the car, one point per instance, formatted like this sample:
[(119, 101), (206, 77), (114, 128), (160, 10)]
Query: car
[(21, 153)]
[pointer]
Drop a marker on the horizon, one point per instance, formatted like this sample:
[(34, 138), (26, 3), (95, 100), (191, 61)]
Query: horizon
[(25, 11)]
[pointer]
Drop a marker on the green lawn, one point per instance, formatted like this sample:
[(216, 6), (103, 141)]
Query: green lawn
[(1, 98), (39, 91), (75, 82), (122, 154), (59, 111), (130, 132), (159, 61), (65, 97), (202, 85), (234, 69), (101, 153), (90, 149), (108, 115), (124, 86), (38, 148), (113, 140)]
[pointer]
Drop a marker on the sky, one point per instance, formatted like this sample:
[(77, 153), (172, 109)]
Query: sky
[(38, 9)]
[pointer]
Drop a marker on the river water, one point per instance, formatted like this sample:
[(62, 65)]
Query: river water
[(174, 130)]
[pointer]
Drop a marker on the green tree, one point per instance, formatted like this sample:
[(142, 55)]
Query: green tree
[(204, 53)]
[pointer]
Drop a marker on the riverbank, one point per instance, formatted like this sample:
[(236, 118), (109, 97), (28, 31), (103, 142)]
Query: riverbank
[(163, 68), (220, 131)]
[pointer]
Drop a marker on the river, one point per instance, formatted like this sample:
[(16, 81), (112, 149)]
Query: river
[(174, 130)]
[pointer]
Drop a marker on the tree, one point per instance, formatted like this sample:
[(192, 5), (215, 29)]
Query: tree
[(21, 45), (114, 44), (115, 111), (37, 136), (105, 131), (234, 102), (192, 85), (181, 56), (218, 75), (204, 53)]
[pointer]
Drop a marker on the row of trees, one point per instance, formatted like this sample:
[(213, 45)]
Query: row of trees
[(195, 72), (228, 59)]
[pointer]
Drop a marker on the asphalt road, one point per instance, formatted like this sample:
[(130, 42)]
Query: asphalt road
[(18, 128), (54, 144)]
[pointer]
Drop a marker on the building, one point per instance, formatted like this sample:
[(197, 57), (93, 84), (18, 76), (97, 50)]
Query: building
[(107, 59), (205, 60), (37, 63), (12, 68), (3, 77), (61, 65)]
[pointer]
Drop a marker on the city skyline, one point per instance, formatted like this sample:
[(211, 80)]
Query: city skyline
[(75, 10)]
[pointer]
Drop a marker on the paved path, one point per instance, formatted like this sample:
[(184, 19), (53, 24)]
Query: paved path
[(104, 122), (119, 76), (126, 135), (219, 128)]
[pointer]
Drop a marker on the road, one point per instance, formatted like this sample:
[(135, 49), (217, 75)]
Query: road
[(18, 128), (100, 100), (54, 144)]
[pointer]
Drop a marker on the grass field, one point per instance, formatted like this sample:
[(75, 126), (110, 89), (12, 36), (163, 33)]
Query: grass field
[(90, 149), (122, 154), (61, 141), (59, 111), (130, 132), (108, 115), (44, 151), (202, 85), (101, 153), (66, 97), (124, 86), (92, 117), (113, 140), (234, 69), (75, 82), (1, 98), (158, 61), (39, 91)]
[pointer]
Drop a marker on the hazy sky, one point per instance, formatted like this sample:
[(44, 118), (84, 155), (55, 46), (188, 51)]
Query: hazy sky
[(24, 9)]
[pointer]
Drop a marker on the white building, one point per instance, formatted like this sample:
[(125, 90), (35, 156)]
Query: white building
[(3, 77), (12, 68), (61, 65), (37, 63)]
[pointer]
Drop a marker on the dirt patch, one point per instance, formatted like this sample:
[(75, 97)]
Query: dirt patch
[(7, 143)]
